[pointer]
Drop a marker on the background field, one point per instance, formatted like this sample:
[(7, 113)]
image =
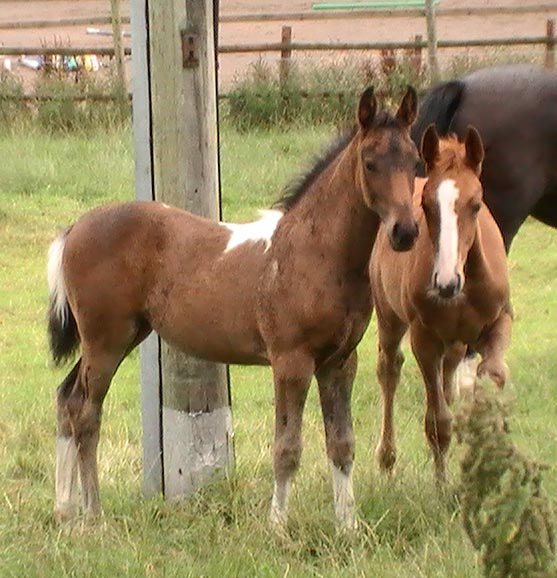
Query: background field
[(408, 529)]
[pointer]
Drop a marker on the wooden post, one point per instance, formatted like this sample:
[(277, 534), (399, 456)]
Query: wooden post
[(417, 54), (432, 61), (186, 405), (121, 85), (285, 54), (550, 46)]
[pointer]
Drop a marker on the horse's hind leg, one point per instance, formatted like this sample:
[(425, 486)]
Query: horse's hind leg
[(67, 494), (389, 364), (292, 376), (335, 392)]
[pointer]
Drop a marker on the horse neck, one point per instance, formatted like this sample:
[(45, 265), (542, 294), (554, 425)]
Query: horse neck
[(335, 218)]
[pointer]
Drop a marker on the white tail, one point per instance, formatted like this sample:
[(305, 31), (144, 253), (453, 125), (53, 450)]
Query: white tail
[(55, 276)]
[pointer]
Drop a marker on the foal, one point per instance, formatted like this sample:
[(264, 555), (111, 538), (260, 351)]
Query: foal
[(291, 291), (451, 290)]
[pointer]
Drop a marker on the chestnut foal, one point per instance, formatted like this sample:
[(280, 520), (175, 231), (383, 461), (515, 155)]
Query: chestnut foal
[(291, 290), (451, 290)]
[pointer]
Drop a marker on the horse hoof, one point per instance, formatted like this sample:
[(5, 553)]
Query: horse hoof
[(66, 513), (498, 372), (386, 458)]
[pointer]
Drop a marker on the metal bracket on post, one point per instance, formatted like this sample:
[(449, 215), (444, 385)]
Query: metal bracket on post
[(190, 47)]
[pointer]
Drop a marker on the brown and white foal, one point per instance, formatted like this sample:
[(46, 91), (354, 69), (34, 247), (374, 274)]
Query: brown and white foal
[(291, 291), (451, 290)]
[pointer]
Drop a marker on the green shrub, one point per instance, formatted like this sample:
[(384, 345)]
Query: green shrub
[(12, 106)]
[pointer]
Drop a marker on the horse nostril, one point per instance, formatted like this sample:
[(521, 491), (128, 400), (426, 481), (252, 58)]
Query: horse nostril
[(404, 237), (435, 280)]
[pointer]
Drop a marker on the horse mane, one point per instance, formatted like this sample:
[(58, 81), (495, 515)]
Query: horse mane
[(296, 189), (438, 107)]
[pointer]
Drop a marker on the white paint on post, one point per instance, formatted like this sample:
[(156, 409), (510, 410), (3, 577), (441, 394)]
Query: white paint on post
[(201, 440), (149, 350)]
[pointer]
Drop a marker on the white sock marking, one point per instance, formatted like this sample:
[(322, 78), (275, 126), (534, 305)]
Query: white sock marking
[(261, 230), (279, 505), (56, 278), (447, 257), (344, 498), (465, 376), (66, 475)]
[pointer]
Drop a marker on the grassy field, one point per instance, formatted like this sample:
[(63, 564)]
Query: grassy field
[(408, 529)]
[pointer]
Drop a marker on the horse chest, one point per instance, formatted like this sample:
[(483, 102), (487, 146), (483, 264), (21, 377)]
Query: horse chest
[(462, 321)]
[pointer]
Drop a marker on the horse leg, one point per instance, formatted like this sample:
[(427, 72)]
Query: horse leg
[(492, 346), (451, 360), (429, 355), (335, 392), (85, 404), (67, 498), (292, 377), (389, 364)]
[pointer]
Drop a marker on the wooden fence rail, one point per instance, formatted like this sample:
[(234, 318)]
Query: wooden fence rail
[(458, 11)]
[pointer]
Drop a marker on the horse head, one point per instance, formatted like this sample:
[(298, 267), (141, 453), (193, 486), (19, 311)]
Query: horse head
[(451, 200), (387, 160)]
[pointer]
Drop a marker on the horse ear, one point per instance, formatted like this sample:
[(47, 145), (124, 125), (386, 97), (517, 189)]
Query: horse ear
[(474, 150), (429, 148), (367, 108), (408, 109)]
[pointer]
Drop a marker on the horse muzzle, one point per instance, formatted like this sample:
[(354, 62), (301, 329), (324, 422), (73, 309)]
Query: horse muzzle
[(449, 289), (403, 237)]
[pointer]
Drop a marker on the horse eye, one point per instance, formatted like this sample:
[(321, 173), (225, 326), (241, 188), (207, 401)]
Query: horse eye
[(370, 166)]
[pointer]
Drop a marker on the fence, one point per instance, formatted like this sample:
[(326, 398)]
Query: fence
[(287, 48)]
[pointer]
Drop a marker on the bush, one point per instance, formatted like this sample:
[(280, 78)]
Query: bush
[(316, 94)]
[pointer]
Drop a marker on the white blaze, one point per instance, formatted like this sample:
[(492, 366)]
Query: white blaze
[(447, 255), (261, 230)]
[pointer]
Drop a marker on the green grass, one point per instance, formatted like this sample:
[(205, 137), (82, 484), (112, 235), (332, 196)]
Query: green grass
[(408, 529)]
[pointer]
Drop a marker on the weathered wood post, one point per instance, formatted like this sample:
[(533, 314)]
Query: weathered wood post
[(432, 60), (285, 54), (121, 87), (550, 45), (187, 419)]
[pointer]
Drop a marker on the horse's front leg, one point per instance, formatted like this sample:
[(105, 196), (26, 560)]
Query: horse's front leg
[(292, 376), (438, 420), (492, 346), (335, 393)]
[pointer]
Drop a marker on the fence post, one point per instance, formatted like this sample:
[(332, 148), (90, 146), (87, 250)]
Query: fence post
[(121, 88), (433, 63), (417, 54), (285, 55), (550, 45)]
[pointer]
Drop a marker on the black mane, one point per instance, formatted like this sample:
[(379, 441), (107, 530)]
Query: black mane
[(296, 189)]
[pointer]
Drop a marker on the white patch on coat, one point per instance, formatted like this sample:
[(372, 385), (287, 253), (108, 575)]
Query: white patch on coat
[(447, 256), (465, 376), (55, 277), (261, 230)]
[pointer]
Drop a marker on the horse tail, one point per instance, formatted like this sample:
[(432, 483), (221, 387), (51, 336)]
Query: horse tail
[(62, 328), (438, 107)]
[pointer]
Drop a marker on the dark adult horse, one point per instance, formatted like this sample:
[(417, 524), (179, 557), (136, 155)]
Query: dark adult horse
[(515, 110)]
